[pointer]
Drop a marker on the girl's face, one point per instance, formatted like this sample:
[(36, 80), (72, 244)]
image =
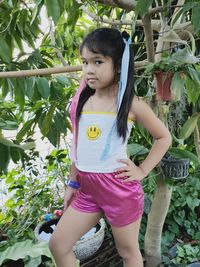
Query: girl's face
[(98, 70)]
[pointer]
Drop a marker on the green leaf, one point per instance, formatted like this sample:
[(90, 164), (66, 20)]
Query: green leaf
[(184, 56), (7, 87), (189, 126), (30, 81), (6, 142), (5, 52), (192, 90), (60, 122), (48, 120), (192, 202), (15, 154), (43, 87), (19, 92), (143, 6), (195, 17), (33, 262), (177, 86), (53, 9), (194, 75), (26, 127), (20, 250), (54, 135), (8, 125), (27, 146), (172, 37), (9, 203), (135, 149), (5, 157)]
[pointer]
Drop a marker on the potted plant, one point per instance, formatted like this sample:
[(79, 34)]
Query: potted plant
[(173, 72), (85, 247), (176, 168)]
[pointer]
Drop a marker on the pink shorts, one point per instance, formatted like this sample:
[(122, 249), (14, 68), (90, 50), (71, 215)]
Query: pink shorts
[(122, 203)]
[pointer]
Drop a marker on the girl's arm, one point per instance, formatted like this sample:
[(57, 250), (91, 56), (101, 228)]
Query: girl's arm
[(70, 192), (73, 172), (162, 140)]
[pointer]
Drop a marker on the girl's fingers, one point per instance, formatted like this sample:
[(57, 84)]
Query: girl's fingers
[(122, 169), (124, 174), (121, 175), (129, 179), (125, 161)]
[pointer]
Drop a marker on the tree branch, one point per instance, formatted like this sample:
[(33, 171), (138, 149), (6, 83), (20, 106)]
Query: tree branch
[(108, 21), (139, 23), (149, 37)]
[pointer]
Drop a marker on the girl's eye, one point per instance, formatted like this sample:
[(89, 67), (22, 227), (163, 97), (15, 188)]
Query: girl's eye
[(98, 62), (84, 62)]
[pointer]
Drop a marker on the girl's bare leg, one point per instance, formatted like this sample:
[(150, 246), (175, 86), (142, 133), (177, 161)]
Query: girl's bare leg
[(72, 225), (126, 239)]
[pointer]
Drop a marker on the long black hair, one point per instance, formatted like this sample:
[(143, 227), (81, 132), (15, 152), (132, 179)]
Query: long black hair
[(109, 42)]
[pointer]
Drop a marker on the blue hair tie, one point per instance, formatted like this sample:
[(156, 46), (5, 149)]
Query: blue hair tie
[(124, 72), (121, 91)]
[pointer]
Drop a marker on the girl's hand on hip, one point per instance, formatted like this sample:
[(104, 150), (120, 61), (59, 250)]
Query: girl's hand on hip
[(130, 170), (69, 194)]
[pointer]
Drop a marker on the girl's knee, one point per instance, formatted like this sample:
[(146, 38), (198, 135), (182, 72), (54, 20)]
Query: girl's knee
[(53, 245), (128, 252), (57, 247)]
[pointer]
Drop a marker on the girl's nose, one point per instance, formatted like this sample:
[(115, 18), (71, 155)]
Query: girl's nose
[(89, 69)]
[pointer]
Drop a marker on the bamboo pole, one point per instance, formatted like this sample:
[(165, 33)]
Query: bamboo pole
[(49, 71), (35, 72)]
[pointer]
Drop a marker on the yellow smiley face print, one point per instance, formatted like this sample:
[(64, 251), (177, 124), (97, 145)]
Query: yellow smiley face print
[(93, 132)]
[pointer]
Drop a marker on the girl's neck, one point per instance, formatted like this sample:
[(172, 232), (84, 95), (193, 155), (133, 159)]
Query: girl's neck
[(110, 92)]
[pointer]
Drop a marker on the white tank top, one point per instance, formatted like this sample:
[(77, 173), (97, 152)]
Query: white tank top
[(93, 131)]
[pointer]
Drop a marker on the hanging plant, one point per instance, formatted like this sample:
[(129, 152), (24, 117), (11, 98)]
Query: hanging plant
[(173, 72)]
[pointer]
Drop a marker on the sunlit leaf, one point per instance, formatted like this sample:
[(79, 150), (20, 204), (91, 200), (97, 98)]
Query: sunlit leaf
[(20, 250), (189, 126), (177, 86), (53, 9)]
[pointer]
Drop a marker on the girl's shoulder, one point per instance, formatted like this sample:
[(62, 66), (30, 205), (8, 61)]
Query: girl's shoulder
[(139, 107), (135, 105)]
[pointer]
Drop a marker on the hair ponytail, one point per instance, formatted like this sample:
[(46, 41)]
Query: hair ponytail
[(122, 115)]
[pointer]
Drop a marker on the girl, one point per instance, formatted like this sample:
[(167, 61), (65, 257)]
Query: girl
[(102, 179)]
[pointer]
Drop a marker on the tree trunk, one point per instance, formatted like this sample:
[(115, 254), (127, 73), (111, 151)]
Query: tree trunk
[(156, 218)]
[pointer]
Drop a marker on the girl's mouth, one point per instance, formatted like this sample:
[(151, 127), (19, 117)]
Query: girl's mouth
[(91, 80)]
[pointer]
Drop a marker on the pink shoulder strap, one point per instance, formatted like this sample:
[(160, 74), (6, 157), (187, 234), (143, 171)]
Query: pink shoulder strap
[(74, 102), (72, 111)]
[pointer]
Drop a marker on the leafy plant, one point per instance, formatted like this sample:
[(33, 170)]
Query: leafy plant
[(30, 252), (182, 220), (186, 254)]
